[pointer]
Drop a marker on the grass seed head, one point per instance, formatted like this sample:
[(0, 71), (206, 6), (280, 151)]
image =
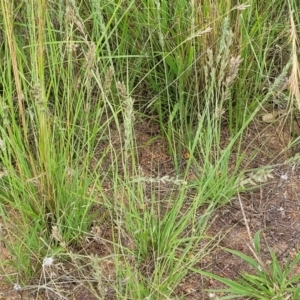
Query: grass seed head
[(233, 69)]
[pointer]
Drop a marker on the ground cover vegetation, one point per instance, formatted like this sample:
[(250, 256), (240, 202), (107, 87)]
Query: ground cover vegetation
[(86, 88)]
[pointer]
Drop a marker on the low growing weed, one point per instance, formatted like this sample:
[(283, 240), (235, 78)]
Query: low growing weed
[(271, 280)]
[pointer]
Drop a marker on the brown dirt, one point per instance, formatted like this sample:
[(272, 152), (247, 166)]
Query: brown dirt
[(273, 207)]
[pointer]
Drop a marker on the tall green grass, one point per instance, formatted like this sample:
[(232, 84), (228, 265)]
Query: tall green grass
[(75, 78)]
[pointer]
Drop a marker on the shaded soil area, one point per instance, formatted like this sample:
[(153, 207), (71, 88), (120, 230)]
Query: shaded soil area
[(273, 207)]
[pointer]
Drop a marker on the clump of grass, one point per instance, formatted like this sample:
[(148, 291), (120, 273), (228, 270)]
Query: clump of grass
[(76, 75), (48, 138)]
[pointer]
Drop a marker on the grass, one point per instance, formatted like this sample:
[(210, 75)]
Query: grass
[(270, 283), (76, 78)]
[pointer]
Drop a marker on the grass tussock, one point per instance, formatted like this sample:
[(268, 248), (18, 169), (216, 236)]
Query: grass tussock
[(77, 78)]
